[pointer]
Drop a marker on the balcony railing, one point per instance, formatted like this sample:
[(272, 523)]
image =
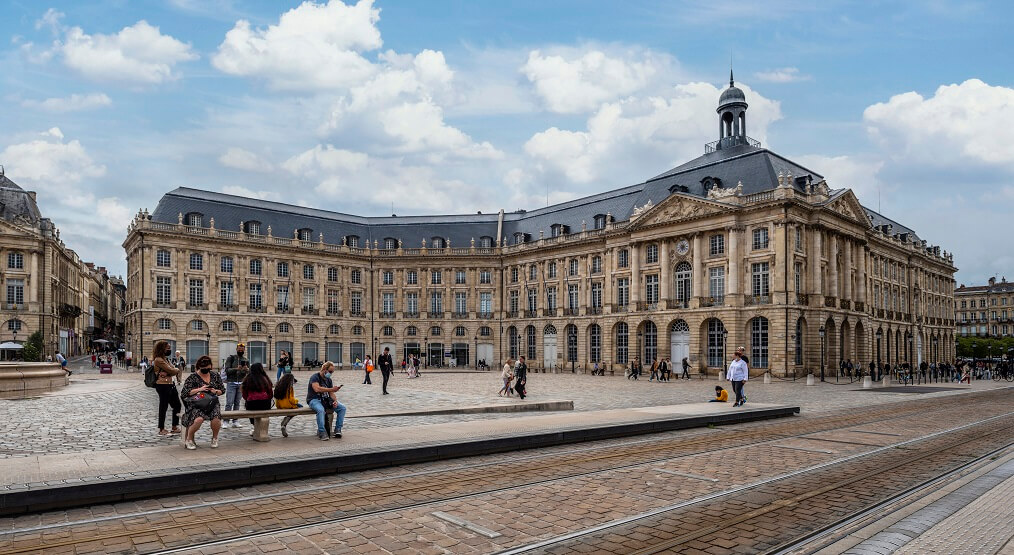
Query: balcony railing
[(411, 314), (228, 307), (646, 306), (459, 315), (432, 314), (165, 305), (676, 304), (829, 302), (802, 299), (334, 312), (283, 310), (255, 309), (619, 308), (594, 310), (845, 303), (485, 315), (531, 314), (712, 301), (549, 312), (571, 311), (512, 313), (357, 314), (387, 314), (197, 306), (750, 300), (860, 306)]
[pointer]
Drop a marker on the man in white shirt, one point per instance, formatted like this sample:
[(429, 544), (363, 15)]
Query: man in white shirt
[(739, 373)]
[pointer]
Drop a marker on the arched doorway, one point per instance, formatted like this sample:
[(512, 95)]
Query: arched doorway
[(549, 346), (862, 350), (679, 341)]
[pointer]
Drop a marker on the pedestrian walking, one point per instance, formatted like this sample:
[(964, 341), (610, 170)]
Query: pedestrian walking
[(635, 368), (284, 364), (166, 389), (739, 373), (664, 370), (507, 376), (201, 392), (236, 368), (367, 370), (654, 370), (386, 366), (686, 368), (521, 378)]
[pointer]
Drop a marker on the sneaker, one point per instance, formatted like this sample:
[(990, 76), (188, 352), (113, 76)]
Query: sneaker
[(322, 436), (337, 434), (251, 433), (190, 445), (284, 432), (214, 443)]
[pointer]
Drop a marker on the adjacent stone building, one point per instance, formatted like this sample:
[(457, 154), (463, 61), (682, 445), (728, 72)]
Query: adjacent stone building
[(985, 310), (47, 286), (739, 246)]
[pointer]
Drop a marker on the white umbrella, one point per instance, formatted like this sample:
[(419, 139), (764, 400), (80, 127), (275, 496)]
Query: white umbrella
[(10, 345), (103, 341)]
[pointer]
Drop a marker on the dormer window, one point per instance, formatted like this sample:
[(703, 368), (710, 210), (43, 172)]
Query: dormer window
[(195, 219), (253, 228), (485, 242), (390, 243), (437, 242), (352, 240), (600, 221), (305, 234), (557, 230), (709, 183), (520, 237)]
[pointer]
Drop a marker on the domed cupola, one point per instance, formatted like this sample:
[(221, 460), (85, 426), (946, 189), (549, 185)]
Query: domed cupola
[(732, 117)]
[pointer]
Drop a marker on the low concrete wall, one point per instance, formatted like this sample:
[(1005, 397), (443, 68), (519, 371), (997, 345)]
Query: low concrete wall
[(30, 377)]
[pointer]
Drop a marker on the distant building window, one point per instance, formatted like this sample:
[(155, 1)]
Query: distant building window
[(197, 325), (552, 270), (352, 240), (459, 277), (357, 330), (305, 234), (411, 331), (485, 242), (164, 324), (309, 328), (485, 331), (596, 265), (388, 277), (253, 228), (533, 272), (255, 267), (357, 277), (334, 329), (257, 327), (282, 269), (651, 254), (437, 242), (228, 325), (435, 331), (799, 239), (387, 331), (15, 260), (283, 327), (226, 264), (163, 258), (332, 274), (307, 271), (572, 269), (412, 277), (760, 238), (514, 274), (13, 325), (390, 243), (623, 258), (717, 244), (196, 261), (600, 221), (436, 277), (195, 220), (485, 276)]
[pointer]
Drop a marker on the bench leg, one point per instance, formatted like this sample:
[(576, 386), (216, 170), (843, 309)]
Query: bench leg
[(261, 429), (328, 420)]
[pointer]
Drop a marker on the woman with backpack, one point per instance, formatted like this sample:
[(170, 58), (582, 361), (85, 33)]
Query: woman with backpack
[(165, 373)]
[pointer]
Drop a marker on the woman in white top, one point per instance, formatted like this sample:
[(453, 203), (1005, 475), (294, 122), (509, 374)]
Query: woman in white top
[(508, 375), (739, 373)]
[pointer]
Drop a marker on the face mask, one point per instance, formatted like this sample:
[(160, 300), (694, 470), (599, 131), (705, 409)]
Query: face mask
[(205, 370), (327, 375)]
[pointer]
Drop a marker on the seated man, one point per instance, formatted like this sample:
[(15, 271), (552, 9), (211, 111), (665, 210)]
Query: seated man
[(320, 396), (721, 395)]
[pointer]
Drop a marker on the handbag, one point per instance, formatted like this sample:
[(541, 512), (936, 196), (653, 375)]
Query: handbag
[(203, 400), (327, 402)]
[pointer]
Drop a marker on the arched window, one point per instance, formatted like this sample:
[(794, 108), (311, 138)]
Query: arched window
[(459, 331), (530, 342), (435, 331), (387, 331), (437, 242), (683, 281), (228, 325), (334, 329), (411, 331), (650, 342), (357, 330), (309, 328), (284, 327), (197, 325), (571, 331), (257, 327), (164, 324), (512, 342), (622, 343), (14, 325), (595, 343), (759, 342), (485, 331), (716, 343)]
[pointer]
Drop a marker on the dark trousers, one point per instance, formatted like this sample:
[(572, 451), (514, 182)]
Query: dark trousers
[(519, 388), (168, 396), (686, 373), (737, 388), (387, 376), (259, 404), (367, 379)]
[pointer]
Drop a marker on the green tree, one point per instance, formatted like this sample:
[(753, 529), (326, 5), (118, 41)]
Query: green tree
[(33, 348)]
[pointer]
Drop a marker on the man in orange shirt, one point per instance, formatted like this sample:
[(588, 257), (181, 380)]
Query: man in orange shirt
[(721, 395)]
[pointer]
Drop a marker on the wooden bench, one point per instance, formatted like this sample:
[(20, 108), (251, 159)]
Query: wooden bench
[(263, 417)]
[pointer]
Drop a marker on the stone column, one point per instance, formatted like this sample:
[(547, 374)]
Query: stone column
[(665, 273), (734, 279), (698, 286), (861, 280), (33, 286), (607, 288), (832, 266), (780, 269), (847, 293), (635, 274), (816, 287)]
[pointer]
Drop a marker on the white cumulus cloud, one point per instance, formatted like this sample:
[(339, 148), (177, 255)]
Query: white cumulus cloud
[(72, 103), (579, 80), (137, 55), (313, 46), (781, 75), (241, 159)]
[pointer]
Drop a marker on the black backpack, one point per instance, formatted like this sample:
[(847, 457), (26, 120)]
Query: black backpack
[(150, 376)]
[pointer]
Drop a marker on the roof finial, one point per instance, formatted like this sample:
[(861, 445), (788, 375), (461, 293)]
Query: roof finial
[(732, 82)]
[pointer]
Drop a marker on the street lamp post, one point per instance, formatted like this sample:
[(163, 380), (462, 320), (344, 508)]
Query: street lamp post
[(475, 350), (326, 357), (207, 345), (725, 336), (130, 346), (821, 330), (880, 335), (269, 353), (426, 354)]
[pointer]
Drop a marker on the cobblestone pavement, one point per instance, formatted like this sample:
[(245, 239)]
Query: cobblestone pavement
[(102, 412), (518, 498)]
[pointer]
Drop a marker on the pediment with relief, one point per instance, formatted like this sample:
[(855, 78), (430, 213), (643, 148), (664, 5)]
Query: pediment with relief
[(847, 206), (672, 209)]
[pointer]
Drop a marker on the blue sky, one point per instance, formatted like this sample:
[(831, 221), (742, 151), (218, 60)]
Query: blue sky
[(437, 107)]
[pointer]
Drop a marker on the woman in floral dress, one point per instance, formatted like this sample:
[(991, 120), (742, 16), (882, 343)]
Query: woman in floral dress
[(202, 381)]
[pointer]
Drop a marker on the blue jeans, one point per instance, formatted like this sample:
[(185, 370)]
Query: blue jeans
[(318, 408), (233, 395)]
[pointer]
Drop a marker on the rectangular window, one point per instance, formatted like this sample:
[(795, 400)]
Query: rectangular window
[(307, 271), (282, 299), (256, 296), (309, 299), (485, 276), (533, 300), (512, 301), (196, 292), (572, 292), (573, 267), (255, 267), (552, 270), (332, 274), (459, 277), (283, 269), (388, 277), (412, 303), (436, 302), (623, 291), (651, 288), (163, 259), (596, 265), (387, 303), (761, 281), (196, 261), (225, 294), (460, 302), (16, 291), (226, 264), (799, 241), (651, 254), (551, 298), (356, 300), (596, 295), (486, 303), (436, 277), (514, 274), (797, 277), (623, 258), (333, 301), (716, 283), (15, 261), (760, 238), (412, 277), (357, 277), (717, 245), (163, 290)]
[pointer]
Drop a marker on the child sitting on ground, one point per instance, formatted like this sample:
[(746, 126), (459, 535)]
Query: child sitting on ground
[(721, 395)]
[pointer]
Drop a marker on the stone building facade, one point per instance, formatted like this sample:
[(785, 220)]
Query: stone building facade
[(47, 286), (985, 310), (737, 247)]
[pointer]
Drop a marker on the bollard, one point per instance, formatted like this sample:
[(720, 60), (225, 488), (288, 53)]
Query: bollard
[(867, 382), (721, 375), (810, 380), (767, 377), (887, 381)]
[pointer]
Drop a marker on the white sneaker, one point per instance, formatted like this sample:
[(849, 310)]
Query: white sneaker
[(237, 424), (252, 433), (214, 443), (190, 445)]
